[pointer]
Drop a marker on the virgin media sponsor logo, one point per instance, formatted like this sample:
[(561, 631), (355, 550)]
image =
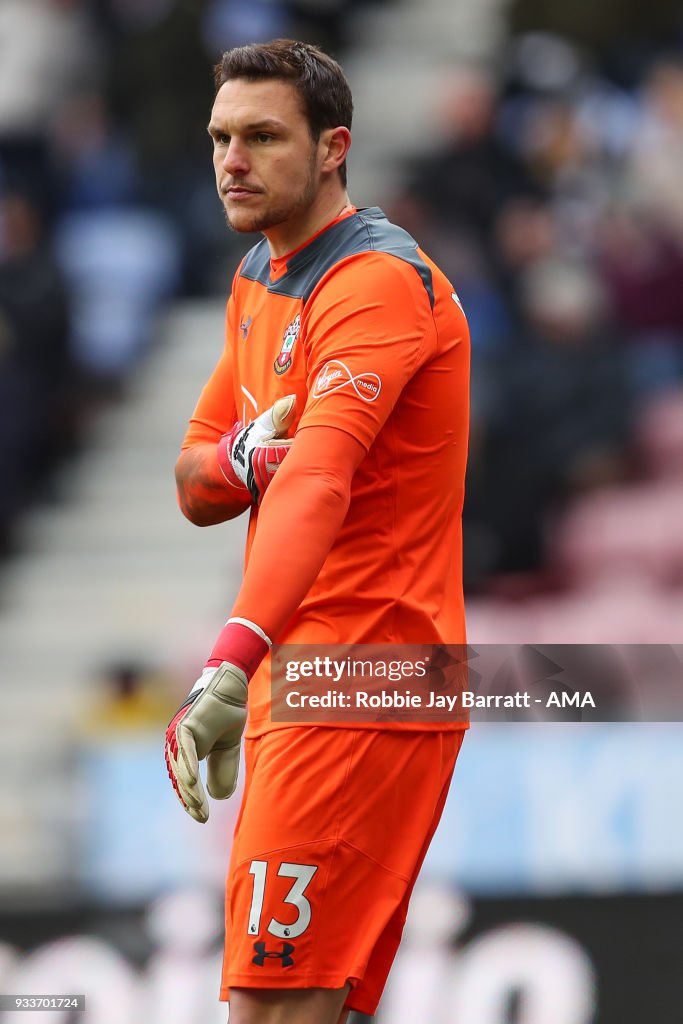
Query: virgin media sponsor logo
[(336, 375)]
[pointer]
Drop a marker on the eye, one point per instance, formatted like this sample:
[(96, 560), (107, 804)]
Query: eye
[(219, 138), (263, 137)]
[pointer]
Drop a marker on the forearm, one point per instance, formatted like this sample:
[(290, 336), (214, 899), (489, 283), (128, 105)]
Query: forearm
[(299, 520), (272, 591), (204, 495)]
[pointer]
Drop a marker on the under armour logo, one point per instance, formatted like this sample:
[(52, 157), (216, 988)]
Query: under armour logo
[(263, 954), (245, 324)]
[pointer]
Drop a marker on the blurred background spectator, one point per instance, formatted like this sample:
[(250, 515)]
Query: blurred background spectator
[(552, 198), (34, 356)]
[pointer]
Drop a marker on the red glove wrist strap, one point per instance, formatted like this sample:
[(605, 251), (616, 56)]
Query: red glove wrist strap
[(239, 645)]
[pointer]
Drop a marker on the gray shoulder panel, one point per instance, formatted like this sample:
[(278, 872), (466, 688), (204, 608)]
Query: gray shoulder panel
[(256, 264), (365, 231)]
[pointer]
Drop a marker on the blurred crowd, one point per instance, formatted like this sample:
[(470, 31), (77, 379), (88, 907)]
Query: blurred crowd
[(554, 202), (107, 201)]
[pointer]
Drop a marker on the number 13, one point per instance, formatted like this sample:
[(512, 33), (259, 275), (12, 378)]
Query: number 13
[(302, 875)]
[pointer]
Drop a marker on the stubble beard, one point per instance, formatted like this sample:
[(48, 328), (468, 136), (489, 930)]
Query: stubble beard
[(285, 210)]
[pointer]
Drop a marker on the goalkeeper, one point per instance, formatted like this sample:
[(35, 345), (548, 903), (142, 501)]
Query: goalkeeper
[(337, 415)]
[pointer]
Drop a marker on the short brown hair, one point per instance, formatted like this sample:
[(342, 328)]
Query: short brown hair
[(319, 80)]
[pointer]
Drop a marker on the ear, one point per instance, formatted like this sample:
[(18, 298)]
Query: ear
[(335, 144)]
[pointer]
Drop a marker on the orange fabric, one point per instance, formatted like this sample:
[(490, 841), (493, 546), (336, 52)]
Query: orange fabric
[(371, 358), (306, 502), (216, 410), (353, 849), (205, 495), (202, 485)]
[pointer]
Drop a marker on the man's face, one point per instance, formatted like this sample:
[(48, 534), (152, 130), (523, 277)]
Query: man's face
[(267, 165)]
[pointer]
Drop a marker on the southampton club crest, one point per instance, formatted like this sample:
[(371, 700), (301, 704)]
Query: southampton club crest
[(284, 359)]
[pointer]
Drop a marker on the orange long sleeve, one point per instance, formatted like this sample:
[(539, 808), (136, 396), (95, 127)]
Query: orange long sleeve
[(204, 495), (298, 521)]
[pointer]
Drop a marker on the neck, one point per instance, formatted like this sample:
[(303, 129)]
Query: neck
[(285, 237)]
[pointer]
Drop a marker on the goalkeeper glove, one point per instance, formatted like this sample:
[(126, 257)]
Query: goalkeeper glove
[(250, 456), (210, 723)]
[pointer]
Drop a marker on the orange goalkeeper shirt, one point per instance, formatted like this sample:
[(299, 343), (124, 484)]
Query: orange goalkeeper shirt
[(369, 334)]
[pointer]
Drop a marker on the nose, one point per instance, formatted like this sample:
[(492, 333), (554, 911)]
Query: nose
[(236, 159)]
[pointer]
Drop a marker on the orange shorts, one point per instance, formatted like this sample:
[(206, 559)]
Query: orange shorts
[(331, 835)]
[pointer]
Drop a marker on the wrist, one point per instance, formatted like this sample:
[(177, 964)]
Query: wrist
[(242, 643)]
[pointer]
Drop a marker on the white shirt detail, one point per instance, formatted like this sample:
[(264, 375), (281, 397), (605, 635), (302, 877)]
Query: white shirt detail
[(250, 397)]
